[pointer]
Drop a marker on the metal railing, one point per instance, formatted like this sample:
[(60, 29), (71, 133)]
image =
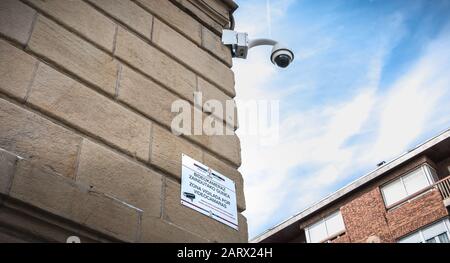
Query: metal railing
[(444, 187)]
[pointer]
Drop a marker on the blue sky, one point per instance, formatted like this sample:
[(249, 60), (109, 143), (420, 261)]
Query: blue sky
[(370, 80)]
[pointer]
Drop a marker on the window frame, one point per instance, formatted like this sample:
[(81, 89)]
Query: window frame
[(427, 170), (420, 231), (324, 221)]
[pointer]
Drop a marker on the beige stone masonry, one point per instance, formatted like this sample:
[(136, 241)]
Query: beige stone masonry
[(213, 43), (201, 15), (155, 64), (74, 54), (150, 99), (190, 54), (86, 90), (226, 146), (63, 197), (7, 168), (213, 14), (38, 139), (80, 17), (210, 92), (166, 155), (16, 20), (167, 149), (23, 220), (172, 15), (64, 98), (112, 174), (146, 96), (128, 13), (16, 70)]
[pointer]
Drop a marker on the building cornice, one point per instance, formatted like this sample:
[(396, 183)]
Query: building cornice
[(213, 14)]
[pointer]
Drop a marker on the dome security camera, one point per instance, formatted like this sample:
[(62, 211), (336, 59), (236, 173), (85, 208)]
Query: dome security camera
[(240, 44), (281, 56)]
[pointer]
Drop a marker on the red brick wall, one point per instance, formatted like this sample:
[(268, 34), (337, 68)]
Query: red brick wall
[(417, 213), (366, 216)]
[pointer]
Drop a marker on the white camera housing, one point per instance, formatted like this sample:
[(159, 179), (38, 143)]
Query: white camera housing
[(240, 44), (281, 56)]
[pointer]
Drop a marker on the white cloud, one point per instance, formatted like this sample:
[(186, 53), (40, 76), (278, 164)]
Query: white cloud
[(268, 169), (406, 109), (257, 22), (316, 138)]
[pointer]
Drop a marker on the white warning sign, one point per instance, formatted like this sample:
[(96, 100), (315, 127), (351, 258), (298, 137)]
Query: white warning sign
[(208, 192)]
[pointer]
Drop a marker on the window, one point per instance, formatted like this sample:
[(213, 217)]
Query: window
[(325, 228), (436, 233), (408, 185)]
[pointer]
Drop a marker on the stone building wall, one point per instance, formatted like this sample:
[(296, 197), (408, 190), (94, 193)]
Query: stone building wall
[(86, 88)]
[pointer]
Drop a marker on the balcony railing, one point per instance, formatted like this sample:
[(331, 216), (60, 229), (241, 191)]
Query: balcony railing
[(444, 187)]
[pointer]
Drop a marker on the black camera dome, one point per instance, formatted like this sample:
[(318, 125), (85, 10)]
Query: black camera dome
[(282, 60)]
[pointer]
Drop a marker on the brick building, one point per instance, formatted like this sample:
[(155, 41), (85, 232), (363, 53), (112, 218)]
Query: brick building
[(86, 88), (405, 200)]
